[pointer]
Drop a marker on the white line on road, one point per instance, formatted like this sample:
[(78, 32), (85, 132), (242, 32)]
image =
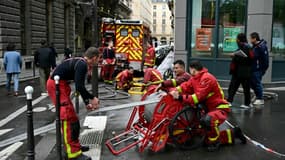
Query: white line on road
[(3, 131), (19, 111), (5, 153)]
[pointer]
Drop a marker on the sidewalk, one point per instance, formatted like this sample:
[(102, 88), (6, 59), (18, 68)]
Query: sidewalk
[(26, 74)]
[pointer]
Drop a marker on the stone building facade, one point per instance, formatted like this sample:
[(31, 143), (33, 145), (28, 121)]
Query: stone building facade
[(27, 22)]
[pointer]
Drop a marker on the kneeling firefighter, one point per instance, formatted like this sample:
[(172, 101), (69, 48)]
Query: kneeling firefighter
[(124, 79), (204, 88)]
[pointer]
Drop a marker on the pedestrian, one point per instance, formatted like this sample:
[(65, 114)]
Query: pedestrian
[(53, 50), (45, 60), (12, 66), (180, 76), (67, 53), (241, 70), (259, 67), (203, 88), (74, 69), (149, 59), (124, 79), (109, 61)]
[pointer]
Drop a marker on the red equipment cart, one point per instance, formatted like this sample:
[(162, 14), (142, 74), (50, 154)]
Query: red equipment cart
[(154, 125)]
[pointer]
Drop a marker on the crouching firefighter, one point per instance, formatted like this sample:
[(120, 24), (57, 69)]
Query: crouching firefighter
[(204, 88), (152, 78), (73, 69), (124, 79)]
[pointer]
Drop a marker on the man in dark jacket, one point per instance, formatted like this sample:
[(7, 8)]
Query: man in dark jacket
[(259, 67), (240, 70), (45, 60)]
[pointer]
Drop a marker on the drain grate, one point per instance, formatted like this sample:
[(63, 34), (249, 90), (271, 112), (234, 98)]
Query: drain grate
[(91, 137)]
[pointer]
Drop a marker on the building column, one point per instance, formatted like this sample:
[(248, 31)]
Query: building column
[(49, 21), (180, 30), (260, 21), (27, 28)]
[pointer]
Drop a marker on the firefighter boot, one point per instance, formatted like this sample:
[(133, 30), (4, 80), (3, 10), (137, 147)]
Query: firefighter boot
[(238, 134), (82, 157), (84, 148)]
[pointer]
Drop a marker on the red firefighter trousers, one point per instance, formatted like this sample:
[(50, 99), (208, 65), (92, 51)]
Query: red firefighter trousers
[(214, 134), (108, 71), (70, 127)]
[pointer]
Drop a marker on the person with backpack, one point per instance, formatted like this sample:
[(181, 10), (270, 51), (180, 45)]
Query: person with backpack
[(259, 66), (241, 71)]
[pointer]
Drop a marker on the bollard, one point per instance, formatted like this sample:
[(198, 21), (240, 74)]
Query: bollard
[(30, 128), (58, 126), (76, 94)]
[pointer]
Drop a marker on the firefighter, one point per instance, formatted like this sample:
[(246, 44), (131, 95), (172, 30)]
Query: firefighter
[(149, 59), (73, 69), (152, 78), (180, 76), (124, 79), (109, 61), (203, 88)]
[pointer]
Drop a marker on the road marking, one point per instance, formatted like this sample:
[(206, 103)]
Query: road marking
[(276, 88), (39, 109), (19, 111), (23, 136), (5, 153), (4, 131)]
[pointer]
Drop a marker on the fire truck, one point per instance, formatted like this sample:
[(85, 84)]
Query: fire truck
[(129, 37)]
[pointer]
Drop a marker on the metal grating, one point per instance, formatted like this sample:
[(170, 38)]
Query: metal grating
[(92, 138)]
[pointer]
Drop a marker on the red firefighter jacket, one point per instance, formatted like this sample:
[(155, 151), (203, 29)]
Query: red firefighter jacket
[(203, 88), (124, 79), (179, 79), (149, 59), (152, 76)]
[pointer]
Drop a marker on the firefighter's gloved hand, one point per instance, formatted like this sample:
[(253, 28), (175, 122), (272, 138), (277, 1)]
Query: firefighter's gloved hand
[(175, 94)]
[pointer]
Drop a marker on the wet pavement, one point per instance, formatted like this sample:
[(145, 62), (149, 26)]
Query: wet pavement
[(264, 124)]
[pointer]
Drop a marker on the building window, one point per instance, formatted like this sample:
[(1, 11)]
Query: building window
[(163, 21), (232, 18), (163, 14), (163, 29), (278, 30), (154, 29), (154, 14), (163, 40), (154, 21), (154, 7), (163, 7)]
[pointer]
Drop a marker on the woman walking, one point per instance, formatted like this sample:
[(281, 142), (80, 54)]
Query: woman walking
[(240, 70)]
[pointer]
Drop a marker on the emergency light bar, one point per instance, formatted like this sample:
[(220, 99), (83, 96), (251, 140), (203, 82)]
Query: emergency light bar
[(127, 21)]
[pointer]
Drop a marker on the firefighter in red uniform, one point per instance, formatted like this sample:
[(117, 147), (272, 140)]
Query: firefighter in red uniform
[(124, 79), (109, 61), (180, 77), (152, 78), (204, 88), (73, 69), (149, 59)]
